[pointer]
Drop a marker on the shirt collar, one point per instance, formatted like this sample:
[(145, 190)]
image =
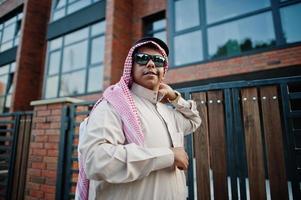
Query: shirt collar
[(145, 93)]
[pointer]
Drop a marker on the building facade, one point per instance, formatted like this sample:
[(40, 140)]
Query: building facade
[(55, 52)]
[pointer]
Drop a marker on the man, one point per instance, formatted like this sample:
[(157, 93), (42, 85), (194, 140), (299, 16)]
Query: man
[(133, 146)]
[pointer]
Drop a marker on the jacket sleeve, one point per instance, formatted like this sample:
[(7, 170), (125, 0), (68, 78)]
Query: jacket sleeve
[(108, 158), (186, 115)]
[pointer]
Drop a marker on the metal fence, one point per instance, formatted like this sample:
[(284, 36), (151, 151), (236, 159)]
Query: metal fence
[(15, 129)]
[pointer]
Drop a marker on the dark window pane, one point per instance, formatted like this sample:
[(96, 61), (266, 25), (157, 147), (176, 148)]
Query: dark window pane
[(95, 79), (291, 23), (54, 62), (97, 51), (75, 56), (295, 104), (159, 24), (186, 14), (188, 48), (73, 83), (217, 10), (51, 87), (294, 87), (242, 35)]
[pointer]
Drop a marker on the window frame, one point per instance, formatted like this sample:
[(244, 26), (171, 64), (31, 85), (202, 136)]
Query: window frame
[(274, 8), (86, 68)]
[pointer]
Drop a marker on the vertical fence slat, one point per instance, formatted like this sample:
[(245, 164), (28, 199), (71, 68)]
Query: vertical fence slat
[(254, 147), (201, 148), (217, 144), (274, 142)]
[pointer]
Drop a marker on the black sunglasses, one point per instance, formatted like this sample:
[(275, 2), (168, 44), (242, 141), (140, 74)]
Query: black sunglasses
[(142, 59)]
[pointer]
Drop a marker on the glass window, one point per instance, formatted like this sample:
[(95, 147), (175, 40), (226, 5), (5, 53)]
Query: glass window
[(64, 7), (188, 52), (98, 28), (72, 58), (186, 14), (95, 79), (75, 56), (6, 86), (291, 24), (77, 6), (54, 62), (52, 87), (242, 35), (77, 36), (217, 10), (73, 83), (155, 26), (10, 32), (97, 51)]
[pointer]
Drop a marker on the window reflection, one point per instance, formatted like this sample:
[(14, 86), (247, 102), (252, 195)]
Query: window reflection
[(291, 24), (73, 83), (97, 51), (241, 35), (95, 79), (188, 52), (75, 56), (63, 8), (186, 14), (217, 10), (69, 62), (51, 87)]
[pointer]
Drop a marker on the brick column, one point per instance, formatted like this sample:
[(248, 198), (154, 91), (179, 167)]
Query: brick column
[(44, 147)]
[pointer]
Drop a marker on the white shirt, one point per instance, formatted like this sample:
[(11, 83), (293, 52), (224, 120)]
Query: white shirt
[(130, 172)]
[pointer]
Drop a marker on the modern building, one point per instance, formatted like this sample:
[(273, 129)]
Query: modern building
[(228, 55)]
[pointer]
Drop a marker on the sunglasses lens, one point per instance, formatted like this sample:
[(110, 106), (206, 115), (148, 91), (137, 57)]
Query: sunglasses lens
[(159, 61), (142, 59)]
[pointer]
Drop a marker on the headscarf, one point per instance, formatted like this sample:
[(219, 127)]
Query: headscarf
[(120, 97)]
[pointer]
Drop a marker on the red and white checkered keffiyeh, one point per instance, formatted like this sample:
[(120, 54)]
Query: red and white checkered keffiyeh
[(119, 96)]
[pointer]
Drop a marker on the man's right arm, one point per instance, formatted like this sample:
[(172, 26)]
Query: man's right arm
[(106, 157)]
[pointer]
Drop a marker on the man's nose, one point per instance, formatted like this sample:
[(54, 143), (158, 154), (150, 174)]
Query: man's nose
[(150, 64)]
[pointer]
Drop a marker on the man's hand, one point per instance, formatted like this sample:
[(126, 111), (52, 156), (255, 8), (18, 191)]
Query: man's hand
[(181, 158), (167, 92)]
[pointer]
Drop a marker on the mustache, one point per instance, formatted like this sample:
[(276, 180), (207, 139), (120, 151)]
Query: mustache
[(150, 72)]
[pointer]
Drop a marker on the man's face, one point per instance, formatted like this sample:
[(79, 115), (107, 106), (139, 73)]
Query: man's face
[(148, 75)]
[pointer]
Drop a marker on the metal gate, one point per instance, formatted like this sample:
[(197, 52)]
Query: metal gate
[(15, 129), (248, 146)]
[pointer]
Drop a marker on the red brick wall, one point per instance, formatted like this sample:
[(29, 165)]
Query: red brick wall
[(31, 54), (235, 66), (144, 8), (43, 153), (8, 6), (118, 38)]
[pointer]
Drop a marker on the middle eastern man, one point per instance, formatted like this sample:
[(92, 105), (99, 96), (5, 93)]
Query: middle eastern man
[(133, 148)]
